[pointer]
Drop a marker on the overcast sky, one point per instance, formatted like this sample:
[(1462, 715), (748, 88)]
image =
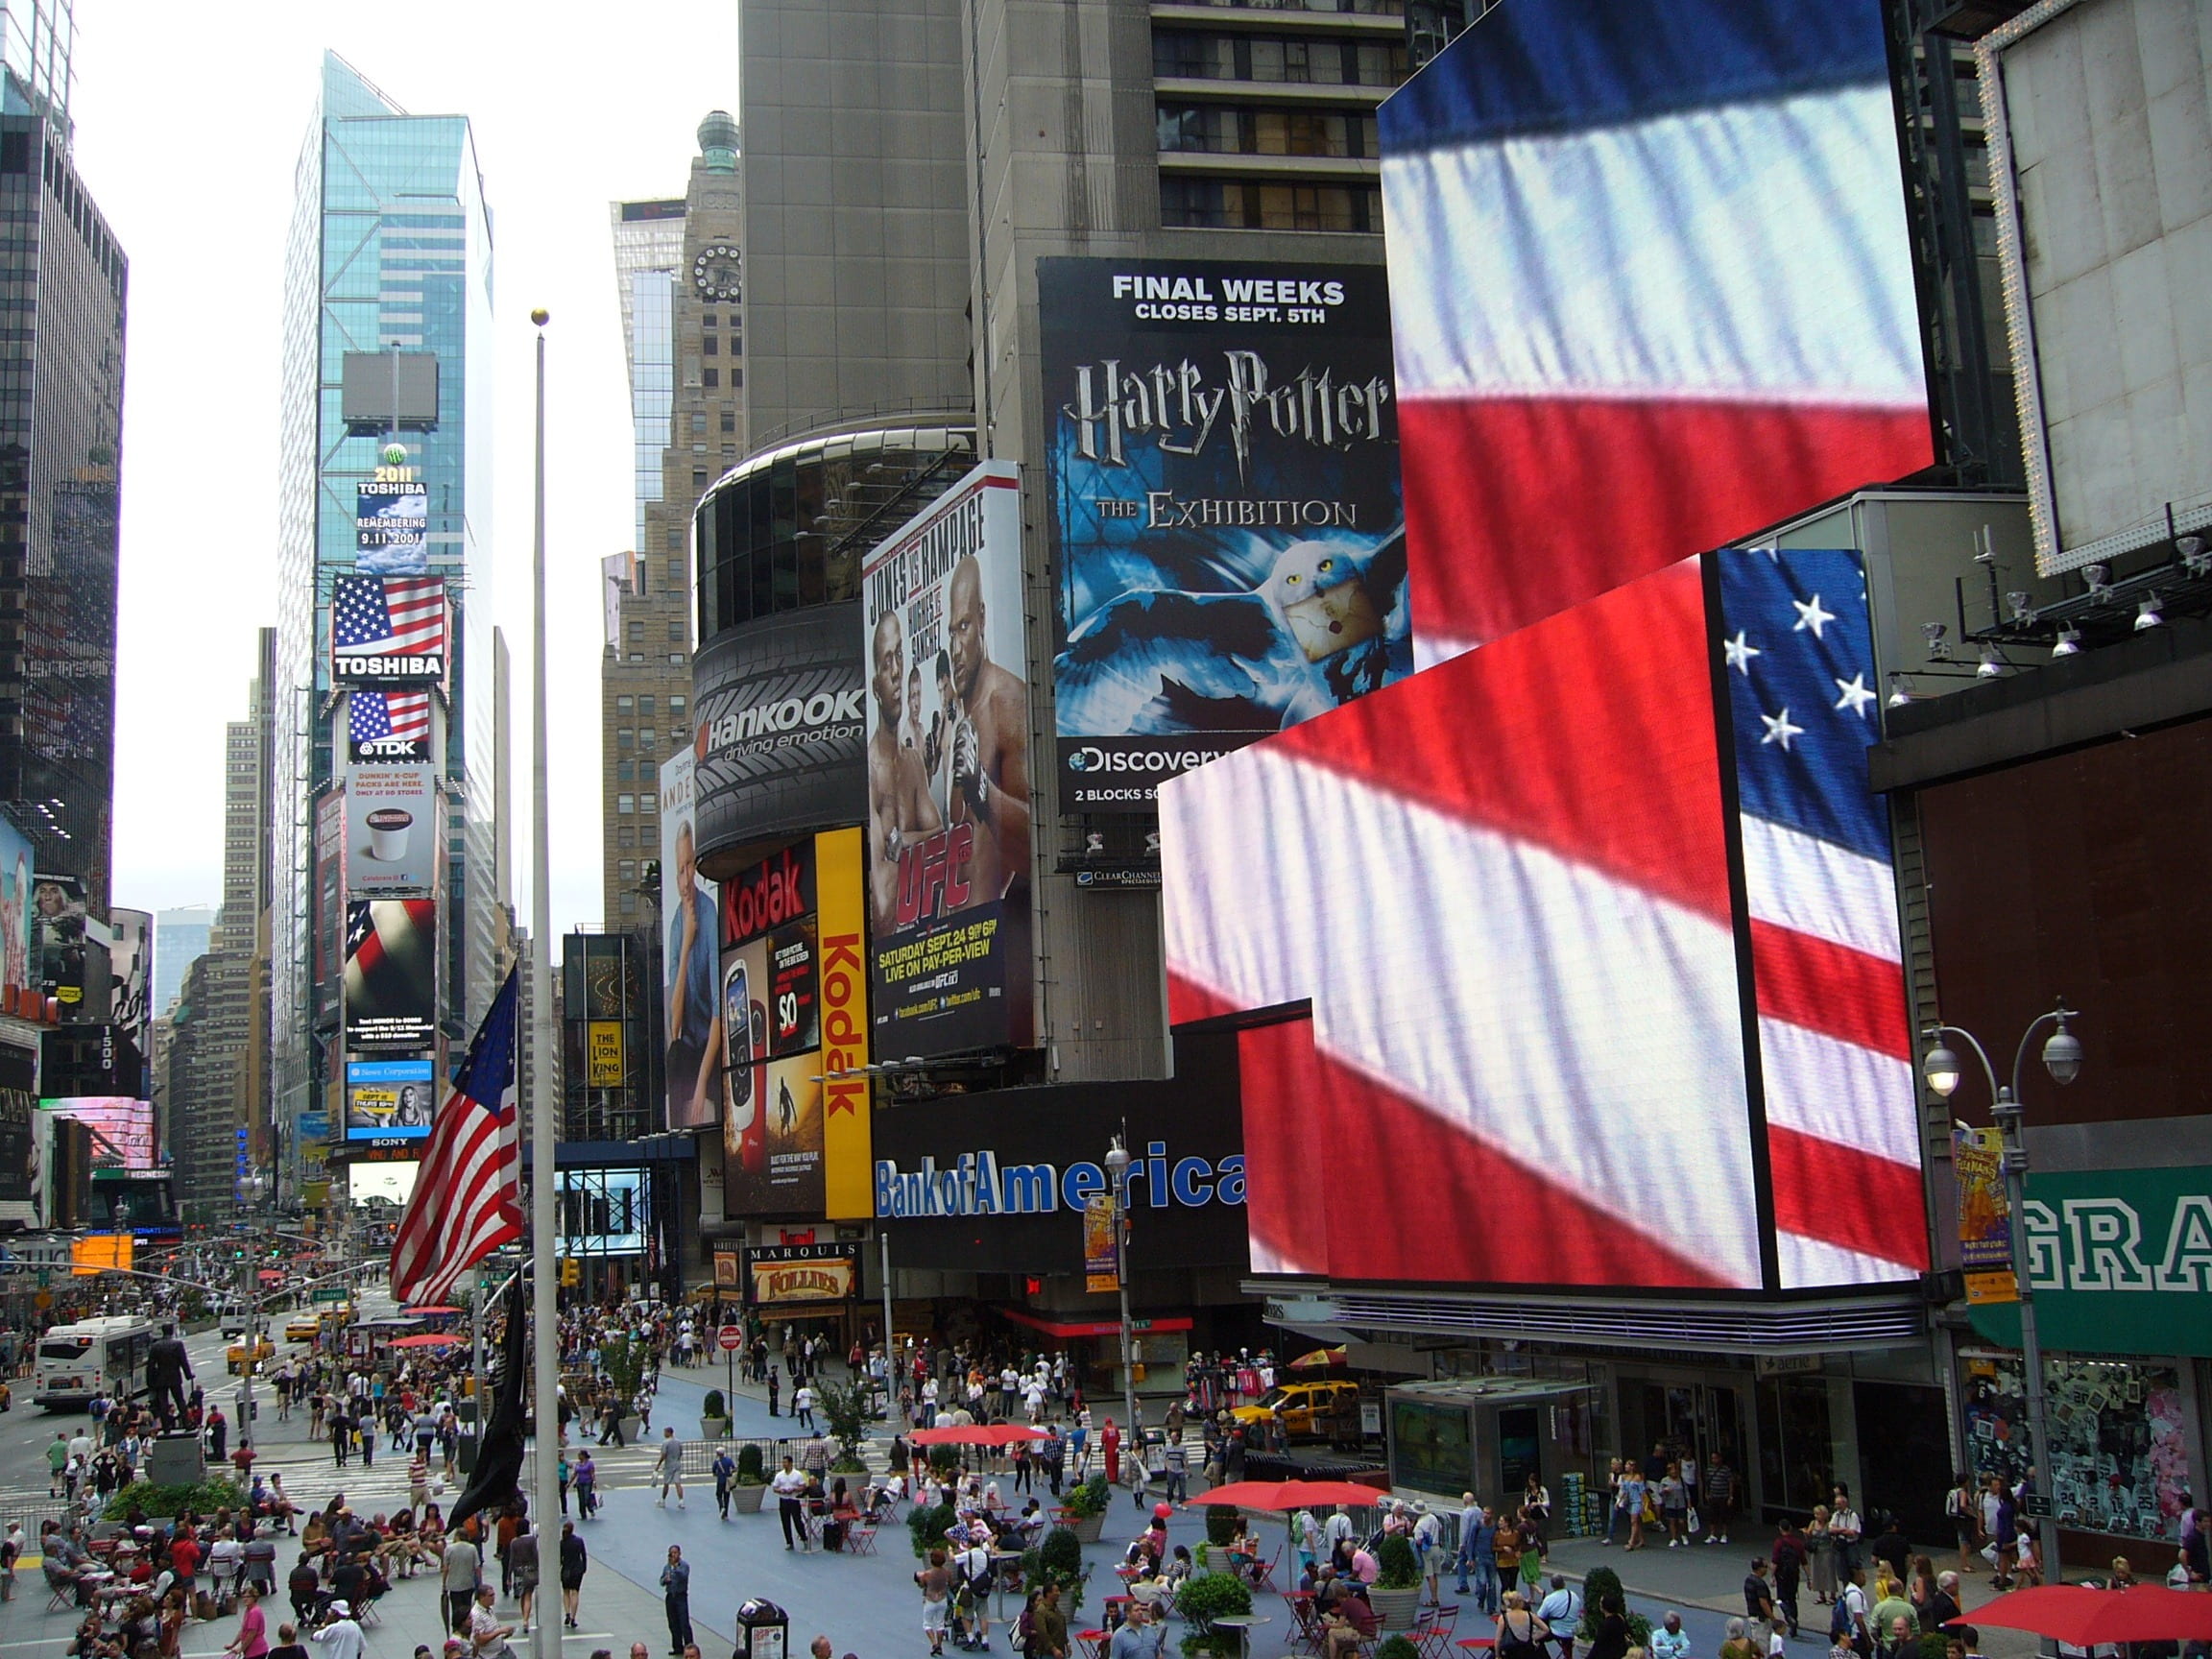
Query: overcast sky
[(189, 122)]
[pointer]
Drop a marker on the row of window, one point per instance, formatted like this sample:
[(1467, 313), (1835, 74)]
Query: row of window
[(1179, 54), (675, 634), (1224, 130), (643, 706), (1233, 205), (627, 805), (698, 422)]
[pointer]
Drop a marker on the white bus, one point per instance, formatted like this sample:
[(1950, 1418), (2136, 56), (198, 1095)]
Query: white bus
[(93, 1356)]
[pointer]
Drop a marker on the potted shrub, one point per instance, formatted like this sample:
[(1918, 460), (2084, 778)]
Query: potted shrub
[(1221, 1523), (1396, 1593), (1601, 1585), (624, 1360), (1087, 1508), (1397, 1648), (1204, 1598), (714, 1418), (745, 1492), (1058, 1560), (927, 1523)]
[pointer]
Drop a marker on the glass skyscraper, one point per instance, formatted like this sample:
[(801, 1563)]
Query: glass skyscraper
[(389, 250), (648, 253)]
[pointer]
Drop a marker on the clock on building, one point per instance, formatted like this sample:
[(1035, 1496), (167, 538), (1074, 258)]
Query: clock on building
[(714, 272)]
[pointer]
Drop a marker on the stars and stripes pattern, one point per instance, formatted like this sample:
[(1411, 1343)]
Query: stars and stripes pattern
[(1835, 1043), (1650, 291), (387, 615), (468, 1198), (1504, 888), (373, 716)]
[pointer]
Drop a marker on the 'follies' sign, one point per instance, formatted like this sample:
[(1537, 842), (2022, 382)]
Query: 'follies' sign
[(803, 1272), (2119, 1262)]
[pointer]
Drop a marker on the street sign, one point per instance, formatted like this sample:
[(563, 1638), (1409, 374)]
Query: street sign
[(2034, 1504), (328, 1293), (731, 1336)]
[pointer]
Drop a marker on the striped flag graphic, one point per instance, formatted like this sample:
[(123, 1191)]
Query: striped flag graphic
[(1650, 291), (1504, 887)]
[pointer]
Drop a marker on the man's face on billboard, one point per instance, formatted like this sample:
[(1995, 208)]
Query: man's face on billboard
[(686, 860), (890, 668), (963, 625)]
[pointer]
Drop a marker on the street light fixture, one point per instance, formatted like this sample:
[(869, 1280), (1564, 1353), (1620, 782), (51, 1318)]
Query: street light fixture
[(2062, 1059), (1118, 1185)]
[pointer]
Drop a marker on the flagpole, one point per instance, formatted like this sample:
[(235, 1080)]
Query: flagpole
[(545, 1112)]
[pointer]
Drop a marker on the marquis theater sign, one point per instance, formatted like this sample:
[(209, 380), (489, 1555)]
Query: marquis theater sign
[(784, 1273)]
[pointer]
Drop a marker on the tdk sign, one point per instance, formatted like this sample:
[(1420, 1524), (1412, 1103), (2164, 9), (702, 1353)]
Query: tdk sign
[(977, 1184)]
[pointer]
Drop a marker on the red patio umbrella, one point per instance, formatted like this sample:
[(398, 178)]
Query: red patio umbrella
[(1320, 1360), (425, 1339), (2084, 1618), (977, 1434), (1286, 1494), (427, 1312)]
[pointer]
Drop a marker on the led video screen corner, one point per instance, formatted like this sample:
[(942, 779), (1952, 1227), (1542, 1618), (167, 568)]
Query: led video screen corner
[(1650, 291), (1507, 889)]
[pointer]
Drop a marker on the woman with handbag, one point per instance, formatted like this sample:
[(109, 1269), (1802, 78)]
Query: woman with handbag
[(1820, 1556)]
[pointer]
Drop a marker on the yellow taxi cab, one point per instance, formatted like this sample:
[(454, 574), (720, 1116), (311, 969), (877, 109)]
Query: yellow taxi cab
[(304, 1327), (240, 1357), (1306, 1410)]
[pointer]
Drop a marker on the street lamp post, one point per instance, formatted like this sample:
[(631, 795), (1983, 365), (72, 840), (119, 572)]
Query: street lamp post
[(2062, 1059), (1118, 1185), (251, 1188)]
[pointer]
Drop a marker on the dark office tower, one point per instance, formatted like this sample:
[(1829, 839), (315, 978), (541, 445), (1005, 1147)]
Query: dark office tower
[(62, 283)]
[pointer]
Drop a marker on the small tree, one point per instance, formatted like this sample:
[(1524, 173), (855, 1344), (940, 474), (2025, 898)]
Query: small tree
[(1397, 1648), (714, 1408), (1220, 1522), (928, 1526), (1203, 1600), (1398, 1568), (751, 1466), (1090, 1497), (844, 1409), (623, 1359)]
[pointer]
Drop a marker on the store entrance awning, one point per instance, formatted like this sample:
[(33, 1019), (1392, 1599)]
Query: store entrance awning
[(1065, 1329)]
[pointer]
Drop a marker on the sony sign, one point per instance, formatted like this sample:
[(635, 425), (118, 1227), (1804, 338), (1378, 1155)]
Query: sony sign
[(978, 1184)]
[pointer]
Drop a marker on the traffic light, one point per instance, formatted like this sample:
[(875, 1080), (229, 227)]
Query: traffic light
[(571, 1272)]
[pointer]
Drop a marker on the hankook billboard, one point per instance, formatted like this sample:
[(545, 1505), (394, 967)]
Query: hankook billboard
[(778, 736), (1227, 531)]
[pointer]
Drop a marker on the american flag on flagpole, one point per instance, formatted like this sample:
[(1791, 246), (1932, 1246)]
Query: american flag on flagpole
[(373, 716), (1506, 887), (387, 615), (468, 1198)]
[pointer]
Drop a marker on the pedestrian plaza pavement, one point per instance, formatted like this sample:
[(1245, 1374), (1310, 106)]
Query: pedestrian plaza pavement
[(867, 1605)]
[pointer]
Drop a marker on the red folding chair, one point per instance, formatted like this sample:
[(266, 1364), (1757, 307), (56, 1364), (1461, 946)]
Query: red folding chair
[(1305, 1624), (1433, 1640), (1091, 1644), (1263, 1573)]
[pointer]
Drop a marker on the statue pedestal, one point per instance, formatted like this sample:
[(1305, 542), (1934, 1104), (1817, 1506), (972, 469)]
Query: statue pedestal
[(176, 1459)]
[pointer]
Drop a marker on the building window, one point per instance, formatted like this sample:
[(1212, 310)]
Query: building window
[(647, 737), (625, 805), (625, 772), (675, 707), (646, 804), (675, 571), (622, 704), (713, 378), (676, 541), (646, 711), (636, 631), (627, 903), (676, 635), (729, 420), (711, 344), (626, 836), (624, 739), (698, 477), (707, 318), (626, 870), (677, 658), (698, 423)]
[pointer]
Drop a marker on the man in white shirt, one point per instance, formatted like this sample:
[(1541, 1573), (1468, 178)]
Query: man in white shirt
[(340, 1637), (1562, 1611), (789, 1485), (1333, 1531), (972, 1582)]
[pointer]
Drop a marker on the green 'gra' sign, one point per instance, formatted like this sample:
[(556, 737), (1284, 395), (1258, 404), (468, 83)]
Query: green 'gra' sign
[(2121, 1262)]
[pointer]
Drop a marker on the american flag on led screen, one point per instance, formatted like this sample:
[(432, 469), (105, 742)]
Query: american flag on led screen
[(468, 1194), (1834, 1044), (1504, 886), (1650, 289), (387, 615), (374, 716)]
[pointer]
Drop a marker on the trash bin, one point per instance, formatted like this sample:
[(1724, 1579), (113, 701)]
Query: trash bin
[(764, 1630)]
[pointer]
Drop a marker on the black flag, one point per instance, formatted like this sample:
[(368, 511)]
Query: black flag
[(496, 1480)]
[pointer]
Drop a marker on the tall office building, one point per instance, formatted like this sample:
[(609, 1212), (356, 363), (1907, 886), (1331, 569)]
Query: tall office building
[(64, 280), (677, 266), (648, 255), (213, 1068), (181, 936), (387, 342)]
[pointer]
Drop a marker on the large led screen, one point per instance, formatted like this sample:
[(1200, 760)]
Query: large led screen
[(1228, 549), (1505, 889), (391, 974), (690, 963), (390, 1099), (1651, 290), (947, 718), (122, 1128)]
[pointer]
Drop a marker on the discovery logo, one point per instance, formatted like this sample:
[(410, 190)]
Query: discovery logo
[(1090, 757)]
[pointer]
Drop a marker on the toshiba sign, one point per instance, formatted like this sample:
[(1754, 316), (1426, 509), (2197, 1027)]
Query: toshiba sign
[(777, 717)]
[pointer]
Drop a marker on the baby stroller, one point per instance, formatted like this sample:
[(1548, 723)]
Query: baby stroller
[(968, 1609)]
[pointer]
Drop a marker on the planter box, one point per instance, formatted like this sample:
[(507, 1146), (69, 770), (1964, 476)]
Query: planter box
[(632, 1427), (715, 1427), (1395, 1609), (746, 1499), (1088, 1528)]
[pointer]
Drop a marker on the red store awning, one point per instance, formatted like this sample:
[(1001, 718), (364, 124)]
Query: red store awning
[(1092, 1327)]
